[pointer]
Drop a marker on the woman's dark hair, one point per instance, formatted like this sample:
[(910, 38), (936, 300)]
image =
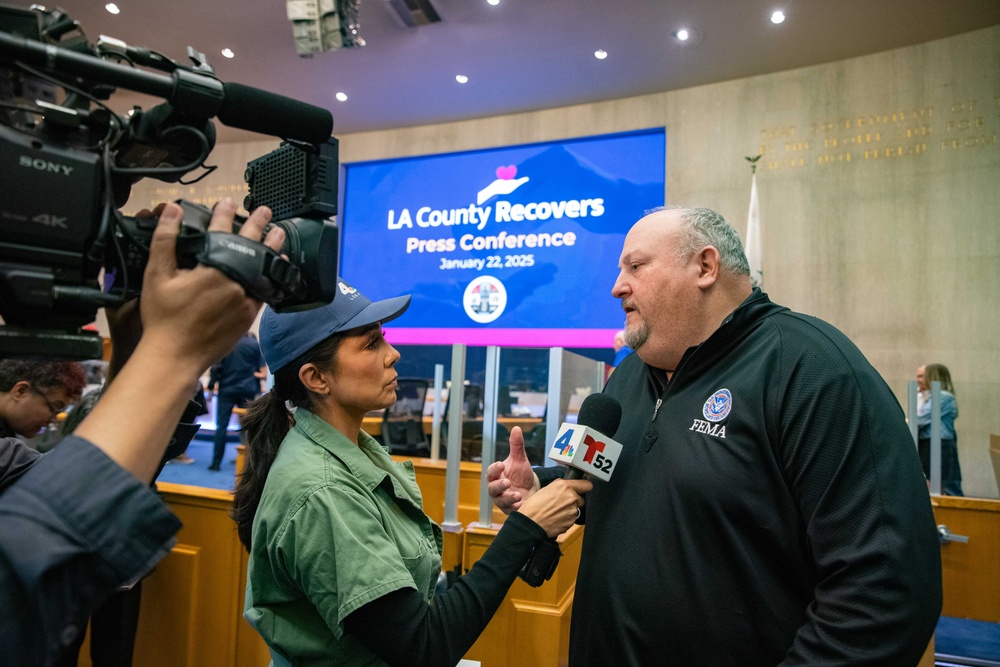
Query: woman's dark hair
[(43, 374), (266, 424)]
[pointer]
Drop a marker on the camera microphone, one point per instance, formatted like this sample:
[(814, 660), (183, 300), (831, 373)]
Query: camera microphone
[(257, 110), (189, 92)]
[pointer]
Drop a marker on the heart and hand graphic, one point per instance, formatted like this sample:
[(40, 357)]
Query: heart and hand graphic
[(506, 183)]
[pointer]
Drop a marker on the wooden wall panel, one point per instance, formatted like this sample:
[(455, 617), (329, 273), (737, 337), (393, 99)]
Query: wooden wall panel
[(431, 480), (969, 572), (531, 627), (170, 610)]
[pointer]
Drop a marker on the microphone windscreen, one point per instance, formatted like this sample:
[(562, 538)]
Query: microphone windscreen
[(257, 110), (602, 413)]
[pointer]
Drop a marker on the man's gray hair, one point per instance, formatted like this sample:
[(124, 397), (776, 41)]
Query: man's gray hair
[(703, 227)]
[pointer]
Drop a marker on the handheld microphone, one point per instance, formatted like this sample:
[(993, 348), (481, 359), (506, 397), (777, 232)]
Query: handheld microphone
[(585, 449)]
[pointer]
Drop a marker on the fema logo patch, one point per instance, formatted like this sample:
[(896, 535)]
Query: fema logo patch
[(718, 405)]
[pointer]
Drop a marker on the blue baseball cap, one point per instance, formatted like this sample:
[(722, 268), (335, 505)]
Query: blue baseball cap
[(284, 337)]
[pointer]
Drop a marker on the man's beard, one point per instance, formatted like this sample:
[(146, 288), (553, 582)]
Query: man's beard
[(635, 337)]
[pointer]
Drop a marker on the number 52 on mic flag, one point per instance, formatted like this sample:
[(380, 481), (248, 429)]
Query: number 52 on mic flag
[(586, 450)]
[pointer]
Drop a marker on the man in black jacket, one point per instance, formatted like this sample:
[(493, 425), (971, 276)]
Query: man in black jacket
[(768, 506)]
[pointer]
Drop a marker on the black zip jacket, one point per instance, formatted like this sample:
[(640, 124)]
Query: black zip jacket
[(771, 510)]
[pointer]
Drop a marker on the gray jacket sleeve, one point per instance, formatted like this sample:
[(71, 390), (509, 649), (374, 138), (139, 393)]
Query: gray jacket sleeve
[(16, 458), (75, 528)]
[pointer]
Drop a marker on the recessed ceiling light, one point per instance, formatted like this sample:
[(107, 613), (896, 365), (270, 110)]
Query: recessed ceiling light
[(777, 17), (461, 78), (342, 97), (493, 2), (228, 53), (112, 7), (600, 54), (687, 37)]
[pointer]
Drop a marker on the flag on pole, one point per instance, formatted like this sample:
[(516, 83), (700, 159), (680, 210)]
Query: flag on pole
[(753, 233)]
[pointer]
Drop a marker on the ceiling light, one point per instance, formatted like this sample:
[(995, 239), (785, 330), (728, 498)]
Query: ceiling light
[(112, 7), (228, 53), (342, 97), (493, 2), (600, 54), (777, 17), (461, 78), (687, 37)]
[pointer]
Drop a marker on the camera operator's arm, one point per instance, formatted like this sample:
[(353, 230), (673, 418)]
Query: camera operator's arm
[(77, 526), (190, 319), (125, 325)]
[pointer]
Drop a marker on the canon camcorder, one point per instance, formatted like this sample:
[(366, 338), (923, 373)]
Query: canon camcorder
[(69, 162)]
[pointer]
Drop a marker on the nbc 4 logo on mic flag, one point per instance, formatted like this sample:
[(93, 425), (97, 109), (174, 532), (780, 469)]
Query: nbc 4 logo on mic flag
[(586, 450)]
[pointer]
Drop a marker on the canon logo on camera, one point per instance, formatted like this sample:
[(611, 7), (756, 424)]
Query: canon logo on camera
[(236, 247)]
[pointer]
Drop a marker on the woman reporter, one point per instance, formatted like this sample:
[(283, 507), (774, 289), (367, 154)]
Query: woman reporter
[(343, 560)]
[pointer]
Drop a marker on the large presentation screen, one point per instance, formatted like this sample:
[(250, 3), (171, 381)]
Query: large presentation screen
[(508, 246)]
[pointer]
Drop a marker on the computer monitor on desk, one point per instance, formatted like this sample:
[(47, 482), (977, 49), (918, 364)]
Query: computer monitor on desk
[(504, 405), (530, 404)]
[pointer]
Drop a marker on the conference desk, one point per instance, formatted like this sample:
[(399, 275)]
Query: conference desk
[(372, 423)]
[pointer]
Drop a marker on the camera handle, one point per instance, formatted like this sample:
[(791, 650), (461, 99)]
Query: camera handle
[(263, 273)]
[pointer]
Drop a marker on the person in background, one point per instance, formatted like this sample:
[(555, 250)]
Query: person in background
[(34, 391), (622, 349), (951, 471), (768, 506), (81, 522), (234, 381), (344, 563)]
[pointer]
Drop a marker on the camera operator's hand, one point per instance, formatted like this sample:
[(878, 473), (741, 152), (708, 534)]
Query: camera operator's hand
[(213, 309), (190, 319)]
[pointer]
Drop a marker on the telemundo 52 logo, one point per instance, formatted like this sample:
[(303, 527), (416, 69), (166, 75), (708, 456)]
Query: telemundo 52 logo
[(585, 449)]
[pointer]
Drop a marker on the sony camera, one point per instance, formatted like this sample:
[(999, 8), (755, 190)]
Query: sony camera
[(69, 162)]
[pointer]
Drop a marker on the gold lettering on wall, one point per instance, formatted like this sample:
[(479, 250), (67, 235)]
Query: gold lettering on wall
[(206, 195), (890, 134)]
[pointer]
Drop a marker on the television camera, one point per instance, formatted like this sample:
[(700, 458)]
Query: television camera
[(69, 163)]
